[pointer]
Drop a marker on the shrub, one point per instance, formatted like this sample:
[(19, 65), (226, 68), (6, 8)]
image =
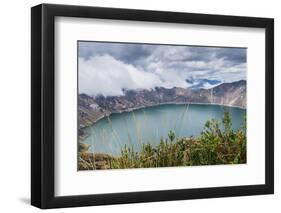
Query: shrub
[(217, 144)]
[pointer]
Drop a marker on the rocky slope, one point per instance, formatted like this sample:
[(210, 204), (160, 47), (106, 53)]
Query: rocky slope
[(91, 109)]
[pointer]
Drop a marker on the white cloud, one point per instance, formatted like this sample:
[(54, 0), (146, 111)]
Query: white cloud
[(103, 74), (109, 68)]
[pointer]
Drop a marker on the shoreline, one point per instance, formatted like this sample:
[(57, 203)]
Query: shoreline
[(161, 104)]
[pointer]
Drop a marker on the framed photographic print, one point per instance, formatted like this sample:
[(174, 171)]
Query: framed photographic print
[(139, 106)]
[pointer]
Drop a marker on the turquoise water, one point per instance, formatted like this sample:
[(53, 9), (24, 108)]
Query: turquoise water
[(108, 135)]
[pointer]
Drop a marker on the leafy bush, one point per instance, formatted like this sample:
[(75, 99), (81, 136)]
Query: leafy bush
[(217, 144)]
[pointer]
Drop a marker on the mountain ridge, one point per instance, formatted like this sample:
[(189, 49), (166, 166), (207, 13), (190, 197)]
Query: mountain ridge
[(91, 109)]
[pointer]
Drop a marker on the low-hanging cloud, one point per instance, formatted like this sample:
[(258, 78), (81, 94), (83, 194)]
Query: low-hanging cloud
[(104, 75), (107, 68)]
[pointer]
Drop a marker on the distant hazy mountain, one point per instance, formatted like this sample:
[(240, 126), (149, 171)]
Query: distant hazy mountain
[(202, 83), (93, 108)]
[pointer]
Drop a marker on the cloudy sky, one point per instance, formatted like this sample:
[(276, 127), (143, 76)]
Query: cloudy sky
[(110, 68)]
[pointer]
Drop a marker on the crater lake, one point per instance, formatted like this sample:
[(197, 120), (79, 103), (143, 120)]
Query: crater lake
[(150, 124)]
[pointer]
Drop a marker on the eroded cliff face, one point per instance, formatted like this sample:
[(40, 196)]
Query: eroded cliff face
[(91, 109)]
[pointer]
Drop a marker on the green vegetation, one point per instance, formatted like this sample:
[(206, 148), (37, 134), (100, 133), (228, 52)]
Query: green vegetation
[(217, 144)]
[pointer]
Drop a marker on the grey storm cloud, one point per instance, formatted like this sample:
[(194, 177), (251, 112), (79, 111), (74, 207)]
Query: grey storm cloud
[(109, 68), (128, 53)]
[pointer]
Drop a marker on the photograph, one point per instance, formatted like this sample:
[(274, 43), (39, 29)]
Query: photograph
[(143, 105), (139, 105)]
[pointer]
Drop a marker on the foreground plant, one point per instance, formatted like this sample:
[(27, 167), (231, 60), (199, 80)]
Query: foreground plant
[(217, 144)]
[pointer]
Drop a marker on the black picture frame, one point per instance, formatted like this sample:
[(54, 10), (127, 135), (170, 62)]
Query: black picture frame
[(43, 102)]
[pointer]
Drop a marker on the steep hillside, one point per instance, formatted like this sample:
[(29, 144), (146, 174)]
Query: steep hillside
[(92, 109)]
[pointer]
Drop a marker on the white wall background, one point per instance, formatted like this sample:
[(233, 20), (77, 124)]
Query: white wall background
[(15, 105)]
